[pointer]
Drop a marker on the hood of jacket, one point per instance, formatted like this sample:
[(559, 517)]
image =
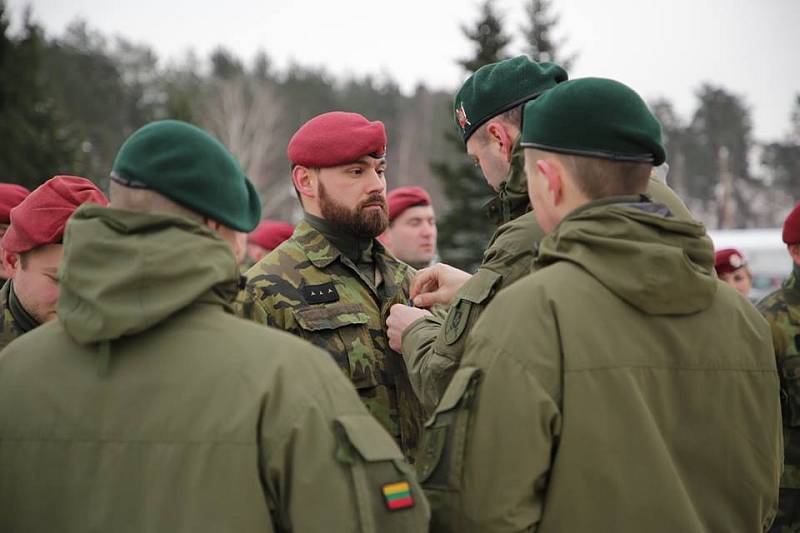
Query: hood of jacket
[(640, 252), (512, 199), (125, 271)]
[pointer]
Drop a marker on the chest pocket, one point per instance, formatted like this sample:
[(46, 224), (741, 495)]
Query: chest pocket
[(476, 291), (343, 331)]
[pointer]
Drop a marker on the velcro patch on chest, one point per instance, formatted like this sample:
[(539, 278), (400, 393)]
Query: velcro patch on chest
[(397, 496), (321, 294)]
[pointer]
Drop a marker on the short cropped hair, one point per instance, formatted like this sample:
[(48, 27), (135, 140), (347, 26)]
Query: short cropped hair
[(600, 178)]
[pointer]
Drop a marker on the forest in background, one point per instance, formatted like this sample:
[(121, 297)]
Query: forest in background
[(68, 101)]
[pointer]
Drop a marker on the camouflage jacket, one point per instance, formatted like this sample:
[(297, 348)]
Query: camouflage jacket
[(14, 320), (782, 311), (309, 288)]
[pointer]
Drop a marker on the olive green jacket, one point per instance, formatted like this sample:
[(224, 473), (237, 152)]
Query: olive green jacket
[(620, 387), (310, 289), (14, 319), (148, 406), (782, 311), (433, 346)]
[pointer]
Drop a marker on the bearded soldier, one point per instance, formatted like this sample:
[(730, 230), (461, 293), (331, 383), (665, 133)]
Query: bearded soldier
[(332, 282)]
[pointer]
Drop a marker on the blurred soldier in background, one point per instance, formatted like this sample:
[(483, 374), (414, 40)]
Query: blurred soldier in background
[(10, 197), (608, 386), (332, 282), (731, 267), (148, 406), (782, 311), (265, 238), (32, 251), (411, 235)]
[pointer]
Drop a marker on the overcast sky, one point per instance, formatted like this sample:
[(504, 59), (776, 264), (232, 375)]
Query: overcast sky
[(663, 48)]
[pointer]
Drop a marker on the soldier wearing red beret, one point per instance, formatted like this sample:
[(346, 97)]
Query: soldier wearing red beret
[(731, 267), (782, 311), (411, 235), (266, 237), (10, 197), (32, 250), (332, 282)]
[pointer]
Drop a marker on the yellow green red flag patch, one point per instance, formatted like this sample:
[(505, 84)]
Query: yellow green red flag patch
[(397, 495)]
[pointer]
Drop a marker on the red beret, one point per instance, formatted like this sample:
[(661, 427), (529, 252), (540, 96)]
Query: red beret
[(41, 217), (402, 198), (791, 226), (10, 197), (336, 138), (270, 233), (728, 259)]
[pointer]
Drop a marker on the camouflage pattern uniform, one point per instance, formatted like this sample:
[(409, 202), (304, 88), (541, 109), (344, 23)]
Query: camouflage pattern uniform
[(14, 320), (309, 288), (782, 311)]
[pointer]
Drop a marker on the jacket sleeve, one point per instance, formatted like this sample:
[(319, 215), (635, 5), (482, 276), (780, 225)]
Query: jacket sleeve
[(433, 346), (487, 450), (330, 466)]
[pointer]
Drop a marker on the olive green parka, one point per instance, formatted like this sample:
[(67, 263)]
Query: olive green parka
[(148, 406)]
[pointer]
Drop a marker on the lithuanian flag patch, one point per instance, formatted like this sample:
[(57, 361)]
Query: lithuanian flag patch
[(397, 495)]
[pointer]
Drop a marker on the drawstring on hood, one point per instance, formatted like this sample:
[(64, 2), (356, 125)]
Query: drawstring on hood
[(612, 237), (126, 271)]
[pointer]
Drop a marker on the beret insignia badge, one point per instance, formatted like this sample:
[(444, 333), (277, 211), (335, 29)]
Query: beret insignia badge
[(736, 261), (461, 117)]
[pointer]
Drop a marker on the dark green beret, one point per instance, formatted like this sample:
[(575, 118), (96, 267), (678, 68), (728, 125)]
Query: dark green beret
[(192, 168), (498, 87), (594, 117)]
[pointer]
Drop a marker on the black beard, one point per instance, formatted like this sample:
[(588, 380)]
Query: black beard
[(357, 222)]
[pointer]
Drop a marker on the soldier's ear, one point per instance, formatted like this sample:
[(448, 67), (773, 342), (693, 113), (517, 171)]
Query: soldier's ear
[(794, 252), (11, 263), (305, 181)]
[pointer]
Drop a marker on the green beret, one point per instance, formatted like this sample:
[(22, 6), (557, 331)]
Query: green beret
[(191, 168), (498, 87), (593, 117)]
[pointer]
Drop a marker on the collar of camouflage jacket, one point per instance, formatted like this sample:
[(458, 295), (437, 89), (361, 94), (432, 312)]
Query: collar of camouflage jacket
[(126, 271), (512, 199), (357, 249), (658, 263), (23, 319), (792, 283)]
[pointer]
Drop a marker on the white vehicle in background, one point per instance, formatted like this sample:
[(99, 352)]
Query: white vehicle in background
[(765, 253)]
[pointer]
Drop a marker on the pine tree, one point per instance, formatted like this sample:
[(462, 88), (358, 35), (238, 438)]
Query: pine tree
[(464, 231), (36, 140), (539, 34)]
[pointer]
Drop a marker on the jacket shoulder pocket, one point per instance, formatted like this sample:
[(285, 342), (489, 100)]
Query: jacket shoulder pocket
[(318, 318), (476, 291), (368, 438), (387, 497), (445, 438)]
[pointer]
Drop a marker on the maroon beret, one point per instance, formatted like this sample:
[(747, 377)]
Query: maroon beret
[(727, 260), (10, 197), (402, 198), (791, 226), (270, 233), (336, 138), (41, 217)]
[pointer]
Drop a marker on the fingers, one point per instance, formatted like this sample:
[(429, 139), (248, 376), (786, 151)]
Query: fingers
[(426, 280)]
